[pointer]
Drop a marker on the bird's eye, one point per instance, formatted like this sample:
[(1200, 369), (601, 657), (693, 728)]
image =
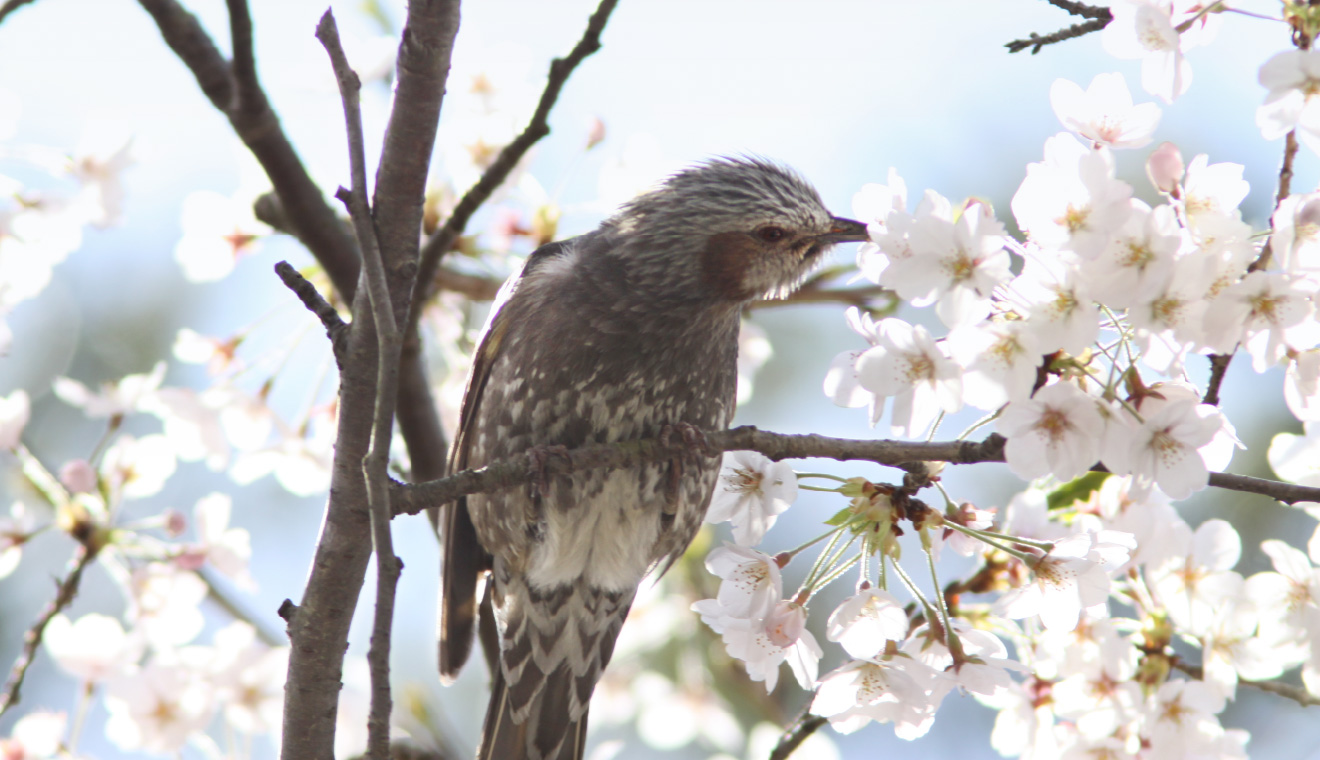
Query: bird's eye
[(772, 234)]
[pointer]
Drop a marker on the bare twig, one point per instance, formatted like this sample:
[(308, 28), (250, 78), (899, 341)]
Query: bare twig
[(1219, 362), (310, 216), (906, 455), (227, 603), (334, 326), (560, 70), (1036, 41), (1296, 693), (65, 591), (10, 6), (375, 464), (792, 738), (1082, 9)]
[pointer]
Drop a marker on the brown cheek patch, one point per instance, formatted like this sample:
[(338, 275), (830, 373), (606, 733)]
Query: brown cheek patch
[(724, 264)]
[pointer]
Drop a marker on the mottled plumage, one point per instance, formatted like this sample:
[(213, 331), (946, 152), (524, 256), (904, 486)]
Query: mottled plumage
[(619, 334)]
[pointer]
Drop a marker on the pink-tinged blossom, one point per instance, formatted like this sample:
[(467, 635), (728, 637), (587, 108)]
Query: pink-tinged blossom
[(134, 468), (1293, 80), (1163, 449), (1231, 648), (1165, 168), (1060, 311), (1071, 201), (1057, 432), (1104, 112), (884, 210), (164, 604), (889, 690), (117, 399), (1145, 29), (1001, 357), (217, 231), (1270, 312), (1296, 458), (1197, 576), (1289, 597), (1025, 725), (1295, 243), (36, 736), (842, 384), (159, 708), (15, 530), (750, 581), (1072, 577), (227, 549), (15, 411), (94, 648), (955, 264), (752, 491), (865, 622), (1137, 263), (78, 476), (1301, 385), (1180, 719), (763, 645), (1212, 191), (907, 364), (248, 677)]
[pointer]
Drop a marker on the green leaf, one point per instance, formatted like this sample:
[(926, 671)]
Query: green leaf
[(841, 517), (1075, 490)]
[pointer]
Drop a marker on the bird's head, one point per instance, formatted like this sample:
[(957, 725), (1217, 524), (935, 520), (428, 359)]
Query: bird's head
[(731, 229)]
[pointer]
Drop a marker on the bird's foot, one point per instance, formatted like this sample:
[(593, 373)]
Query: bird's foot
[(694, 439), (537, 459)]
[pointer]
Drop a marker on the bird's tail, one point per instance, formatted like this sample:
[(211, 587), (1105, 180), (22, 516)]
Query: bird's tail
[(547, 733), (554, 644)]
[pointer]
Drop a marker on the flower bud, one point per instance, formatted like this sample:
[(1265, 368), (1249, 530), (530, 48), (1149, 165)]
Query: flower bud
[(78, 476), (1165, 168)]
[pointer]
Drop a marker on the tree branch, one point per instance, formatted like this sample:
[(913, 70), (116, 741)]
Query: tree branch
[(1082, 9), (1036, 41), (375, 464), (235, 92), (1296, 693), (335, 329), (65, 591), (560, 70), (10, 6), (905, 455), (792, 738)]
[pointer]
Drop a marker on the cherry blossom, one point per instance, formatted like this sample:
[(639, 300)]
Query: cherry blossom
[(955, 264), (888, 690), (764, 645), (1269, 311), (1060, 311), (14, 413), (1165, 168), (1196, 576), (1137, 264), (752, 492), (1145, 29), (159, 708), (1055, 431), (1292, 78), (1301, 385), (35, 736), (1163, 448), (94, 648), (1073, 576), (227, 549), (1295, 243), (907, 364), (1296, 458), (865, 621), (1071, 201), (1212, 192), (1104, 113), (750, 584), (1001, 357), (127, 396)]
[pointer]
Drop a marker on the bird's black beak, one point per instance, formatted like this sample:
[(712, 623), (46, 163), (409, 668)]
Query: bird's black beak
[(844, 231)]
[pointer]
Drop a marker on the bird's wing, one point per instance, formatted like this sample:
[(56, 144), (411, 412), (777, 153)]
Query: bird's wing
[(463, 558)]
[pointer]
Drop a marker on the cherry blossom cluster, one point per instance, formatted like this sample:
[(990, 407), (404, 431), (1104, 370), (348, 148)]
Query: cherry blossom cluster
[(1075, 342)]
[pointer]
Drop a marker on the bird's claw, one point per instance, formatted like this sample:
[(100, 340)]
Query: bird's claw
[(694, 439), (538, 457)]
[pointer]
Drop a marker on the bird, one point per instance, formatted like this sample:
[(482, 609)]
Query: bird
[(626, 332)]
